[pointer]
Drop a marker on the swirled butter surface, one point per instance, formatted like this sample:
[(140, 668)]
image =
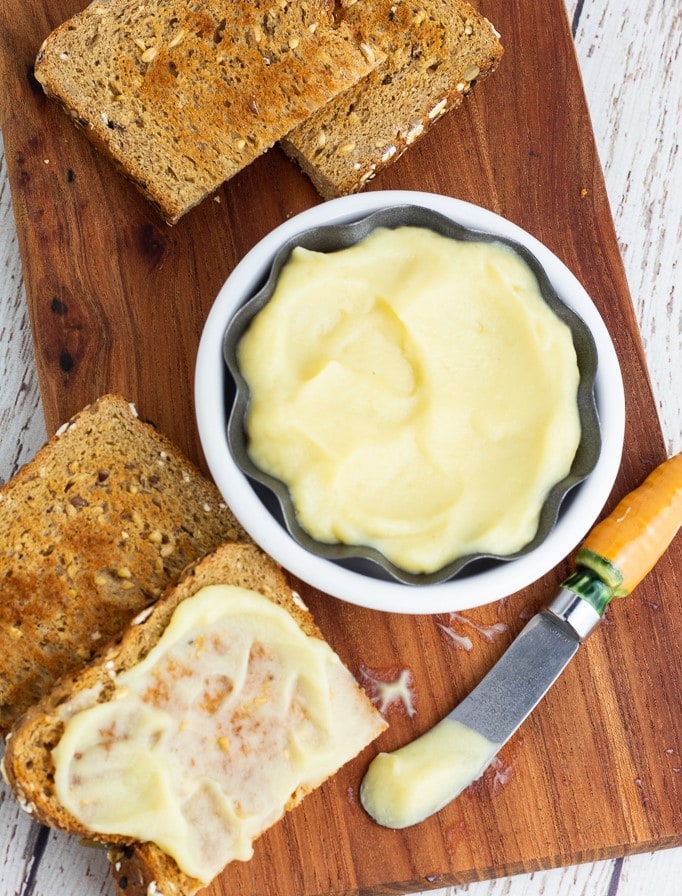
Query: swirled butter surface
[(415, 393), (412, 783), (205, 741)]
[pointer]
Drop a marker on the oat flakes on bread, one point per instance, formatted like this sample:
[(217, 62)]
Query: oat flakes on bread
[(435, 51), (93, 529), (141, 868), (182, 95)]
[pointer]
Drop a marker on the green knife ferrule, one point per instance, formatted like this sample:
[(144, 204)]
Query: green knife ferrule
[(601, 567), (591, 588)]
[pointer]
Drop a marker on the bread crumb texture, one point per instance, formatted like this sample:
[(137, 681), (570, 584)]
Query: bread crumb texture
[(182, 95), (435, 52), (94, 529)]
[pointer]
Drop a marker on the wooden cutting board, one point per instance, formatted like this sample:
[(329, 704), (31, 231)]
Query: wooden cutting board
[(117, 302)]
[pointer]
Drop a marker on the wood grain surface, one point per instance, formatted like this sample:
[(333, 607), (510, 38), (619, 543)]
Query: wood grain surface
[(591, 774)]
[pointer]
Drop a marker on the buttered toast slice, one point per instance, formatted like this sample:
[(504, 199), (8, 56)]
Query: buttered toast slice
[(218, 711), (92, 530)]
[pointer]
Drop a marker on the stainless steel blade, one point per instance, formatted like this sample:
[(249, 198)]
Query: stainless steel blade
[(405, 787), (519, 680)]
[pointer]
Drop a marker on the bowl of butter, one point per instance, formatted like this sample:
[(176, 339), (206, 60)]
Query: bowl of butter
[(403, 398)]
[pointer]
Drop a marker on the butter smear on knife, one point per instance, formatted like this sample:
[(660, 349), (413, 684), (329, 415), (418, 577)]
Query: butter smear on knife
[(405, 787)]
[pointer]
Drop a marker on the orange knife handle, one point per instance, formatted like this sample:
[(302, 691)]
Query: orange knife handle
[(622, 549)]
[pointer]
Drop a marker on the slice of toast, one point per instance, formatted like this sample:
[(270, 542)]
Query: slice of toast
[(94, 528), (141, 868), (435, 52), (183, 95)]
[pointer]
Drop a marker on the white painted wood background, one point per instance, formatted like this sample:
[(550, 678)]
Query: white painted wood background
[(630, 58)]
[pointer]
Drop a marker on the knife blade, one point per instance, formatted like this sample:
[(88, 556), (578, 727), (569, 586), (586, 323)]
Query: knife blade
[(408, 785), (530, 666)]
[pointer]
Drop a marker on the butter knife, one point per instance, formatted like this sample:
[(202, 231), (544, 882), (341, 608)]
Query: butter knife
[(408, 785)]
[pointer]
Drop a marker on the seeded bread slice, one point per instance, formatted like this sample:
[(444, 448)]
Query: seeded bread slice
[(183, 95), (92, 531), (435, 52), (141, 868)]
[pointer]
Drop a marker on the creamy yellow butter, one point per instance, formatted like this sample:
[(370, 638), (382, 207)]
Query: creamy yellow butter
[(407, 786), (415, 393), (205, 741)]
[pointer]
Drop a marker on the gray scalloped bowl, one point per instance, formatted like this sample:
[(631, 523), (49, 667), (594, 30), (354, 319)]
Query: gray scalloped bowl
[(337, 236)]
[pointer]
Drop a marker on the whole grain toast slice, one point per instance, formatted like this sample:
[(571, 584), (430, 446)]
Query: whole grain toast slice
[(183, 95), (141, 868), (92, 530), (436, 50)]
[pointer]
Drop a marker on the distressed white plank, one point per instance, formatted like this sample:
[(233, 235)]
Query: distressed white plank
[(66, 866), (629, 56), (22, 428), (647, 875)]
